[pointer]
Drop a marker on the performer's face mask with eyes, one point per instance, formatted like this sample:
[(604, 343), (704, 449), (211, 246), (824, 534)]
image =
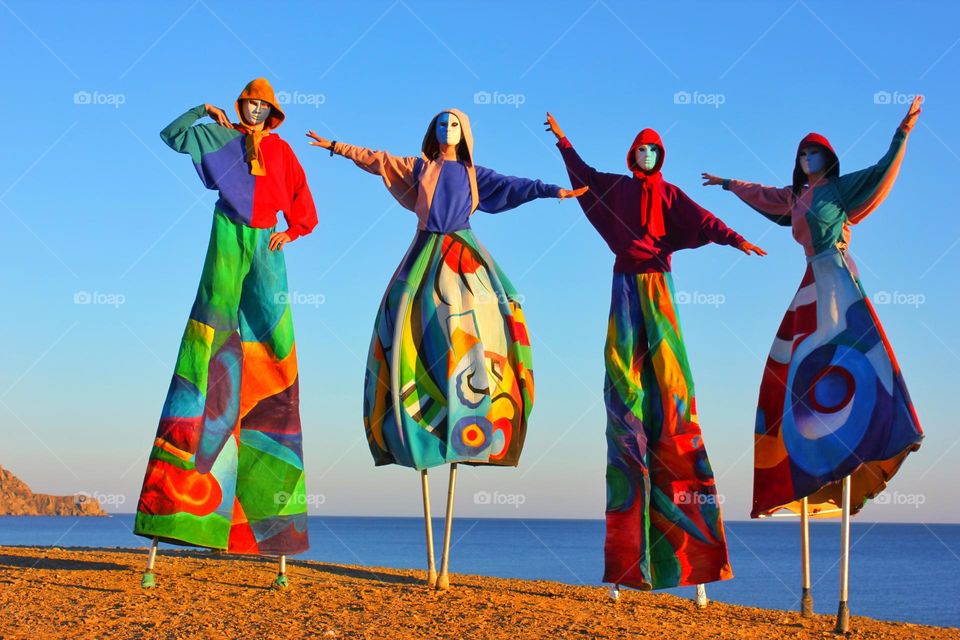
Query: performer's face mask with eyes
[(812, 160), (646, 156), (448, 129), (254, 111)]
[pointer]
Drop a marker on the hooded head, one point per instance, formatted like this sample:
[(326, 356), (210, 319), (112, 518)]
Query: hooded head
[(645, 137), (260, 89), (431, 145), (831, 162)]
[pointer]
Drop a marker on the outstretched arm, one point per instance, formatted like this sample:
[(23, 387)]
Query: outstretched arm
[(773, 203), (499, 192), (863, 191), (708, 227)]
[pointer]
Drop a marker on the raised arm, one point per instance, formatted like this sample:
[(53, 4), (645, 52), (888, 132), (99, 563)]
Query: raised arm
[(183, 136), (499, 193), (863, 191)]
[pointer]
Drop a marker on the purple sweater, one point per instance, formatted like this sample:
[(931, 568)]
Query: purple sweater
[(612, 206)]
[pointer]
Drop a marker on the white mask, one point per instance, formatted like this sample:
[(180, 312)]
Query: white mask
[(255, 111), (448, 129), (646, 156), (811, 160)]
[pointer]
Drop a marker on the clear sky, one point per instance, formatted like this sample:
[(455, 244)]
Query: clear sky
[(96, 209)]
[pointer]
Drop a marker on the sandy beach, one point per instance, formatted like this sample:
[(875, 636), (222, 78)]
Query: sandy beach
[(96, 593)]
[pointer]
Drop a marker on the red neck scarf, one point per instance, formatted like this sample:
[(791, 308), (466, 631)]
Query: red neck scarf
[(651, 196)]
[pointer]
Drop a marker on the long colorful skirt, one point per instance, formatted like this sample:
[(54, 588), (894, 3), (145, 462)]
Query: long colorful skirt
[(449, 373), (226, 468), (833, 402), (663, 513)]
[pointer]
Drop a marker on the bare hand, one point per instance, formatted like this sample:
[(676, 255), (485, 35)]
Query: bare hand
[(218, 115), (553, 127), (277, 240), (911, 118), (318, 141), (709, 179), (572, 193), (748, 248)]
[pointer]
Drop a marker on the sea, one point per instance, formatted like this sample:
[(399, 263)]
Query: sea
[(903, 572)]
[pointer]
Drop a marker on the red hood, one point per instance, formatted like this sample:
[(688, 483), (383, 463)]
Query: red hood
[(647, 136), (799, 177)]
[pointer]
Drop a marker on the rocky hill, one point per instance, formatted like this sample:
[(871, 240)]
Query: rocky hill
[(16, 499)]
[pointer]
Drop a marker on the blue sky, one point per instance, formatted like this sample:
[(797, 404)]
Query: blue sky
[(96, 208)]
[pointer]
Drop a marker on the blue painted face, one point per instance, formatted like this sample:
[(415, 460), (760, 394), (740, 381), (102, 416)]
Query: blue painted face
[(646, 156), (448, 129), (812, 159)]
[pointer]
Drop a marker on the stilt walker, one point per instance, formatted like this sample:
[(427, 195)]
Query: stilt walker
[(664, 527), (834, 418), (226, 468), (449, 376)]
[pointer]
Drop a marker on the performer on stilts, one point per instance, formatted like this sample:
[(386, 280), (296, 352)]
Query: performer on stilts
[(226, 468), (449, 374), (664, 527), (834, 419)]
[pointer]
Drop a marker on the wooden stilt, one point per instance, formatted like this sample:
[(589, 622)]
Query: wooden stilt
[(701, 599), (806, 599), (428, 524), (443, 580), (281, 582), (843, 611), (148, 581), (615, 592)]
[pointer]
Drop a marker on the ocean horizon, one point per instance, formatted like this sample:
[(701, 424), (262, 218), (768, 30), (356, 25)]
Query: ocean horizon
[(892, 569)]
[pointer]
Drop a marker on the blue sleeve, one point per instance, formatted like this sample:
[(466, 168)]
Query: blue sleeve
[(499, 193), (197, 140)]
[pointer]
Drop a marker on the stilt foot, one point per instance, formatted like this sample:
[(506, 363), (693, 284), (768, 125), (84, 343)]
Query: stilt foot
[(615, 592), (806, 603), (432, 578), (701, 599), (149, 580), (443, 582), (281, 582), (843, 618)]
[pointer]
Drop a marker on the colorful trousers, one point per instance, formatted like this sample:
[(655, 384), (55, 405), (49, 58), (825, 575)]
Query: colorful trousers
[(663, 513), (226, 468)]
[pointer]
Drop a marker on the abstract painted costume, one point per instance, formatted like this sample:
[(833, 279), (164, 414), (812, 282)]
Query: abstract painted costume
[(664, 527), (449, 373), (832, 400), (226, 468)]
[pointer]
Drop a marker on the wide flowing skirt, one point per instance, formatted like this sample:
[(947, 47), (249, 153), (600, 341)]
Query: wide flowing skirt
[(449, 374), (833, 402), (664, 527), (226, 468)]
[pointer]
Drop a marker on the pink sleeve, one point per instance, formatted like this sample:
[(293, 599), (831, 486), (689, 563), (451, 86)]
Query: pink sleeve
[(397, 171), (773, 203)]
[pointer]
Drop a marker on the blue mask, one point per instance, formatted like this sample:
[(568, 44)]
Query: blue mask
[(646, 156), (812, 160), (448, 129)]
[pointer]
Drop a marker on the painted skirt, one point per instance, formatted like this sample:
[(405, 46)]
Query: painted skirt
[(226, 468), (664, 527), (449, 374), (832, 399)]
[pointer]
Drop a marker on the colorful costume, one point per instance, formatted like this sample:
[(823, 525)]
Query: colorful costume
[(226, 468), (832, 400), (449, 373), (664, 527)]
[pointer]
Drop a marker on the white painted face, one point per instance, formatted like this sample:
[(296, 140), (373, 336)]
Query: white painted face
[(448, 129), (646, 156), (254, 111), (812, 159)]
